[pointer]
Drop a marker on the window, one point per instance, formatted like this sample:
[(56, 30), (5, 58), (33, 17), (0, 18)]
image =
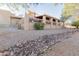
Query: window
[(54, 20)]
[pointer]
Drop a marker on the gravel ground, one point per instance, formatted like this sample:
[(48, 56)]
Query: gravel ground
[(69, 47), (10, 37), (39, 46)]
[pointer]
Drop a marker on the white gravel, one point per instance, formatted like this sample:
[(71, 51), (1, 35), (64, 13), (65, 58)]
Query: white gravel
[(9, 37)]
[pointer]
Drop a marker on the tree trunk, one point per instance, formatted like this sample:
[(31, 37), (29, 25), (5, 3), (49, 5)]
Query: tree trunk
[(77, 27), (63, 25)]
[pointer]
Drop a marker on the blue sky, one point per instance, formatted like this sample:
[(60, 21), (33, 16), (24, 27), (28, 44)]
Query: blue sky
[(48, 8), (42, 8)]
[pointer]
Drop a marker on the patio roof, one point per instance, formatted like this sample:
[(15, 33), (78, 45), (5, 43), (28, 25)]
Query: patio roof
[(48, 16), (16, 17)]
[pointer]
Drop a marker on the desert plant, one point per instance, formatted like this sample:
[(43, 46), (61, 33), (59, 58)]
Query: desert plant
[(75, 23), (38, 26)]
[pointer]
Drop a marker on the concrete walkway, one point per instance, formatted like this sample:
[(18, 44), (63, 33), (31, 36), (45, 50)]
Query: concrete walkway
[(69, 47)]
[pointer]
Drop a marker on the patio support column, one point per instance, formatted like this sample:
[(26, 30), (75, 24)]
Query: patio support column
[(56, 22), (51, 21), (26, 22), (10, 21), (44, 19)]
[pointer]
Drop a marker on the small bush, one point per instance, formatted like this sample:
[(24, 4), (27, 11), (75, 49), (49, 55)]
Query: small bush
[(76, 24), (39, 26)]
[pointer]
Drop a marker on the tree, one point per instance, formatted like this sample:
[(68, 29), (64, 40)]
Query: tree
[(70, 9), (18, 6), (76, 24), (64, 18)]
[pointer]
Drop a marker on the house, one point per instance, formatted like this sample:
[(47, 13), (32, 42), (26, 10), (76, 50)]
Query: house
[(16, 21), (8, 19), (4, 18), (49, 21)]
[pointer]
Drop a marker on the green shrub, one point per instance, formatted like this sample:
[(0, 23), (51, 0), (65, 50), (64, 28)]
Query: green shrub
[(76, 23), (38, 26)]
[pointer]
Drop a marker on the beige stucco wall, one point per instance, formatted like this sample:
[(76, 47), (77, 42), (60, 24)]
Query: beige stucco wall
[(26, 24), (14, 22), (4, 18)]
